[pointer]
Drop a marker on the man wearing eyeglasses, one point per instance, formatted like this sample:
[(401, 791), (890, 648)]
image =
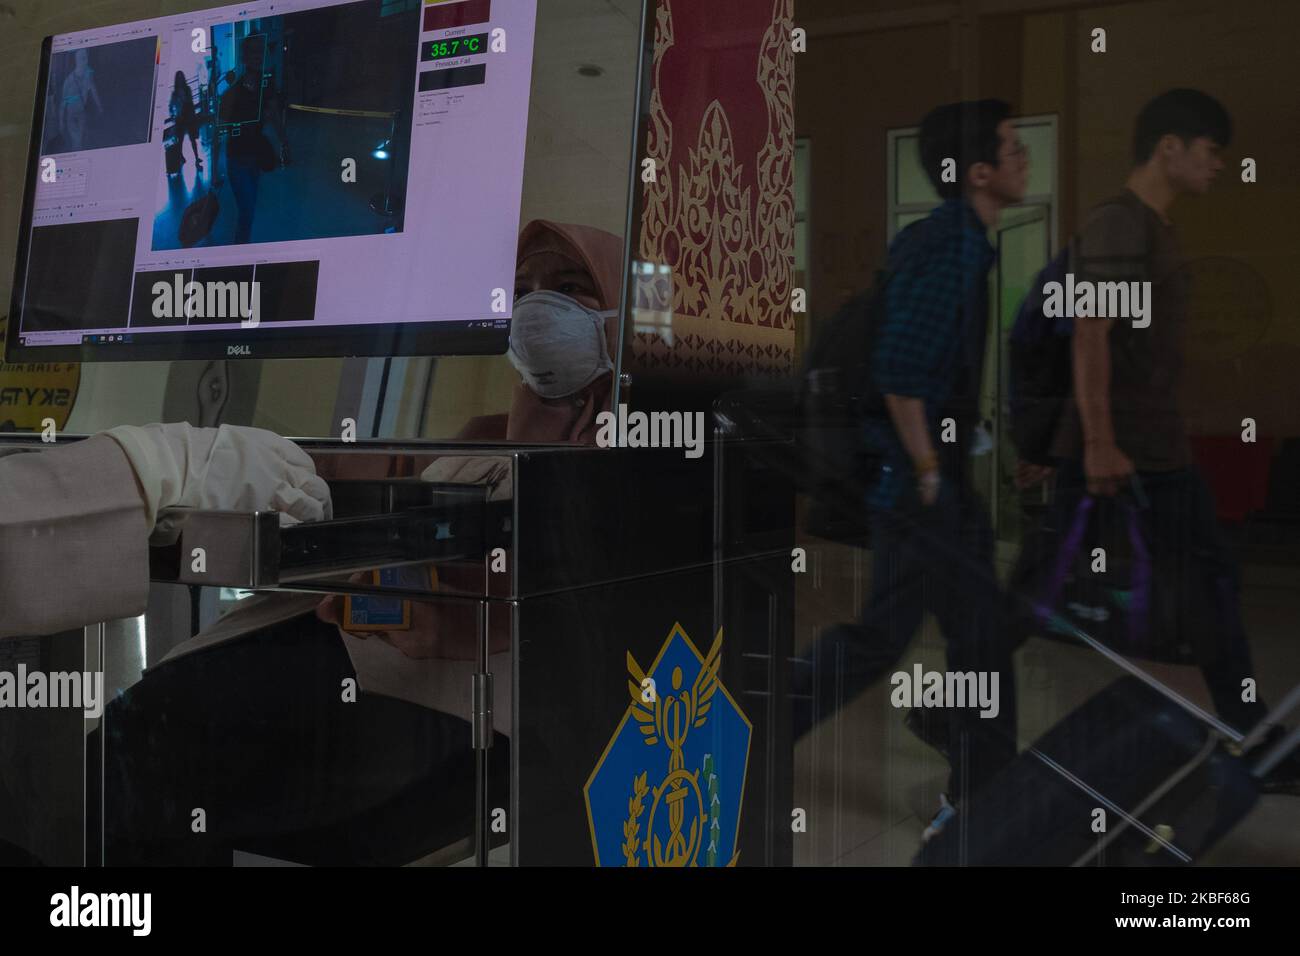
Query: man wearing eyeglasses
[(932, 542)]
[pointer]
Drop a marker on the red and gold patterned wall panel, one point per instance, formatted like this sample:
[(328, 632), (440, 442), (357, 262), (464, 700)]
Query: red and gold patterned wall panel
[(718, 221)]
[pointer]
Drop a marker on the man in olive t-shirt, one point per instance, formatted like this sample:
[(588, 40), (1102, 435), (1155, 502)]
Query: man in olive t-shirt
[(1126, 240), (1125, 421)]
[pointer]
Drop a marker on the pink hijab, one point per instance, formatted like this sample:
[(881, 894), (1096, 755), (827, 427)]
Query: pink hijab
[(572, 418)]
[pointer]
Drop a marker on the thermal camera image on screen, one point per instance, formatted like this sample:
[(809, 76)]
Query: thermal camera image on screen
[(99, 97), (355, 167), (263, 119)]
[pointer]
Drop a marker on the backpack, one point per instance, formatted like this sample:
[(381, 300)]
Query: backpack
[(1042, 366), (837, 368), (1042, 373), (836, 395)]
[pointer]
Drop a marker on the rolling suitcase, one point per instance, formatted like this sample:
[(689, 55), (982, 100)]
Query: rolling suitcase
[(198, 218), (172, 151), (1134, 777)]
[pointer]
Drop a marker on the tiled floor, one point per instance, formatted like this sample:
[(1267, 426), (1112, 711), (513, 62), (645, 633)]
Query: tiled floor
[(870, 786)]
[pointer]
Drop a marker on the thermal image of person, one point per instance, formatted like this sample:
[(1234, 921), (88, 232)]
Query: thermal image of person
[(245, 106), (184, 117), (79, 92)]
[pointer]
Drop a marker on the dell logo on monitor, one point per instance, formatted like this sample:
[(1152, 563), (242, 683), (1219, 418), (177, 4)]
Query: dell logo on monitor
[(239, 350)]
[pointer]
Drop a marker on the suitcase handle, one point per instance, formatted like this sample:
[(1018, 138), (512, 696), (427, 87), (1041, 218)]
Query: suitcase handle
[(1277, 753), (1120, 660)]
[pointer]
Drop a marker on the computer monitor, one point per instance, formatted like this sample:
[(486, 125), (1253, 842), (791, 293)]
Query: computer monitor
[(278, 178)]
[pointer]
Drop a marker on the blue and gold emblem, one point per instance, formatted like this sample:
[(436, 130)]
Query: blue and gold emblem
[(668, 788)]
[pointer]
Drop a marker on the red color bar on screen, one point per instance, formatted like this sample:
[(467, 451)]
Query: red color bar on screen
[(443, 16)]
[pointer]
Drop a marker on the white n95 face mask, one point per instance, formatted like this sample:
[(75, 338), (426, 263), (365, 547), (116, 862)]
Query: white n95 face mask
[(558, 344)]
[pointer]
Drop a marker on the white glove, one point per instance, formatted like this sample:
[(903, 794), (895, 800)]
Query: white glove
[(230, 468)]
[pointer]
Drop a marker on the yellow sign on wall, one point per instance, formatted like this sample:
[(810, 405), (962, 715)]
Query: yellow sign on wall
[(29, 394)]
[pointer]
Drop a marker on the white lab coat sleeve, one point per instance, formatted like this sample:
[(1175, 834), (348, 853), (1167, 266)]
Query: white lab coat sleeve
[(74, 548)]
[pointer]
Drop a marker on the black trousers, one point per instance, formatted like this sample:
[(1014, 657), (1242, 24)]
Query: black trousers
[(256, 734), (937, 558)]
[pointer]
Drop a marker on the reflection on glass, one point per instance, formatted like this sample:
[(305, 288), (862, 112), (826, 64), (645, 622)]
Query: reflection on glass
[(1040, 138), (913, 184)]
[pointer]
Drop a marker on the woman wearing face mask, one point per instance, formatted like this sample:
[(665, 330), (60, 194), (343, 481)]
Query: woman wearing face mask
[(395, 778), (564, 330), (563, 334)]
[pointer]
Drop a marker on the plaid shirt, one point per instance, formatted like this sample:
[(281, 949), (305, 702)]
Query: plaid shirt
[(931, 341)]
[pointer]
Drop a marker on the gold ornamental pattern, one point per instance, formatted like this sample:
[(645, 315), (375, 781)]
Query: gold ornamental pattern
[(730, 245)]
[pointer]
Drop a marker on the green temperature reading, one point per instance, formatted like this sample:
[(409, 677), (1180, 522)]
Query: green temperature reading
[(454, 46)]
